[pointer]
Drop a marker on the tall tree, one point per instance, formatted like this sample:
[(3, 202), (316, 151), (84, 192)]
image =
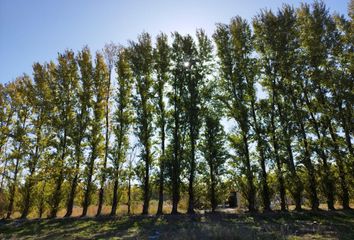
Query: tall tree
[(177, 125), (6, 113), (162, 64), (315, 27), (215, 154), (39, 98), (110, 52), (19, 134), (234, 50), (100, 78), (82, 117), (122, 120), (270, 49), (141, 59), (63, 91)]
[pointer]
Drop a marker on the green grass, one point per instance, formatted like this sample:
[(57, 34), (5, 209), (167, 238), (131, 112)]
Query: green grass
[(275, 225)]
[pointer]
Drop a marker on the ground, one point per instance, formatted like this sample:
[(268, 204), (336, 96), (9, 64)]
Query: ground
[(273, 225)]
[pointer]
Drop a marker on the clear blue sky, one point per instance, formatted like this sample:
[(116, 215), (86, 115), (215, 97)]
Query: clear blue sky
[(36, 30)]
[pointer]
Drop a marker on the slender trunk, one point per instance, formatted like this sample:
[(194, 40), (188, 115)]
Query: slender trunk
[(212, 188), (27, 199), (3, 173), (297, 192), (278, 162), (13, 188), (162, 160), (117, 168), (146, 183), (41, 201), (175, 164), (327, 176), (342, 174), (129, 194), (103, 178), (191, 176), (57, 192), (260, 147), (311, 170), (249, 175), (115, 196), (70, 203), (87, 197)]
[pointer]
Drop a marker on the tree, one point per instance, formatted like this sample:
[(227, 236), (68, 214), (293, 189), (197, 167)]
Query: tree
[(39, 98), (63, 92), (162, 64), (6, 113), (122, 120), (270, 49), (100, 78), (19, 134), (141, 59), (82, 117), (110, 52), (234, 50), (315, 42), (215, 154)]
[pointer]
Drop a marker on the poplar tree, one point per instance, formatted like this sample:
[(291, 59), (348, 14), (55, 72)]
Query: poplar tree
[(38, 98), (19, 135), (96, 139), (63, 92), (122, 120), (162, 65), (234, 50), (82, 117), (141, 59), (110, 52)]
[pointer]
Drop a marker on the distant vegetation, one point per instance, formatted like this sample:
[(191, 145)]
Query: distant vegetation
[(262, 108)]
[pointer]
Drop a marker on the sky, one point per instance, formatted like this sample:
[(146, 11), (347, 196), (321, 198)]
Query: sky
[(36, 30)]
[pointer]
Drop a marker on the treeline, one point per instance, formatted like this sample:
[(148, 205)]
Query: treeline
[(284, 83)]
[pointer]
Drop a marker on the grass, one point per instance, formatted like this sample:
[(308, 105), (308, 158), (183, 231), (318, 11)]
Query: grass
[(273, 225)]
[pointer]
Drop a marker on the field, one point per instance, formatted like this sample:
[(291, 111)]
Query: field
[(222, 225)]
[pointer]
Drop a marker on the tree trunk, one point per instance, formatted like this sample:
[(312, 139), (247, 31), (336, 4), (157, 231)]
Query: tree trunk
[(162, 164), (260, 147), (57, 192), (342, 174), (251, 188), (13, 188), (115, 196), (87, 197), (146, 184), (311, 170), (327, 176), (191, 177)]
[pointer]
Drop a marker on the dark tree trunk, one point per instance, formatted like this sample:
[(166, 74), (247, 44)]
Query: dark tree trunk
[(59, 181), (13, 189), (342, 174), (162, 166), (191, 177), (251, 188), (327, 176), (87, 196), (146, 184), (311, 170), (115, 197), (260, 146)]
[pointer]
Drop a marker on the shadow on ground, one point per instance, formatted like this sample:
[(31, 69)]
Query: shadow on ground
[(273, 225)]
